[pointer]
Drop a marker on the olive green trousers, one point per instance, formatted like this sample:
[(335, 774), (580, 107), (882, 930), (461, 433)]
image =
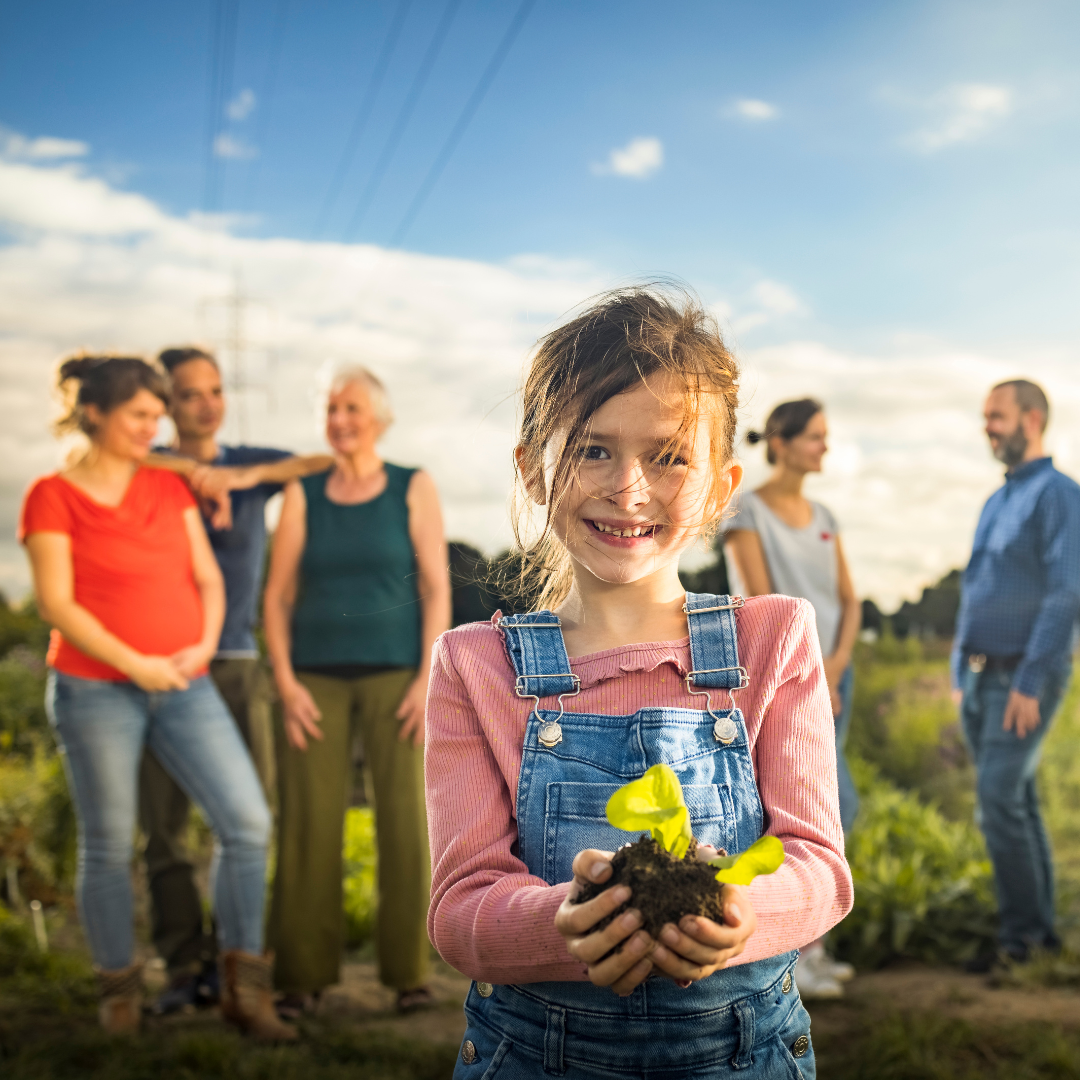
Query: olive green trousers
[(307, 927)]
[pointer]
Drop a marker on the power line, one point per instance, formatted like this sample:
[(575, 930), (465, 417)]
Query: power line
[(277, 38), (222, 55), (463, 121), (404, 115), (363, 114)]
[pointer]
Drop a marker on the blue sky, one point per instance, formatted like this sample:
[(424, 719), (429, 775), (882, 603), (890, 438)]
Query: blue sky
[(878, 200), (831, 196)]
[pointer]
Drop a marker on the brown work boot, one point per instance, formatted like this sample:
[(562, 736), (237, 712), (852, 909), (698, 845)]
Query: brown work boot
[(247, 996), (120, 994)]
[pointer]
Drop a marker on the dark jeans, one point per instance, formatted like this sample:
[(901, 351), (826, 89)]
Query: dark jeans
[(849, 797), (177, 924), (1008, 806)]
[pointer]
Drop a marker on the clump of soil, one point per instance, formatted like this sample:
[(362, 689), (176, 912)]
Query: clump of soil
[(662, 888)]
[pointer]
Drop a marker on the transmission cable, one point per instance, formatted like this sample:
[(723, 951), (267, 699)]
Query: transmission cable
[(223, 52), (277, 38), (404, 115), (378, 73), (463, 121)]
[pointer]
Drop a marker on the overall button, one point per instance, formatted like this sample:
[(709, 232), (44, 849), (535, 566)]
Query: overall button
[(724, 730), (786, 984), (468, 1051), (550, 733), (798, 1047), (484, 989)]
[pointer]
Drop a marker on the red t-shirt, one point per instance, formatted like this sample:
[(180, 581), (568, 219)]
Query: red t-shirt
[(132, 565)]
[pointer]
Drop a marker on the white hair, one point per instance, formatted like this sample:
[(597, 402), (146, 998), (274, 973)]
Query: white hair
[(356, 373)]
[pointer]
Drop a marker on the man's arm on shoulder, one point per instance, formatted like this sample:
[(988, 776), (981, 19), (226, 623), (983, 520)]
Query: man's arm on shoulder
[(284, 470), (184, 466)]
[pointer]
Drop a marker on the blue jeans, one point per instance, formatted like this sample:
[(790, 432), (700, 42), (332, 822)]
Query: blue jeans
[(101, 728), (849, 797), (1008, 806)]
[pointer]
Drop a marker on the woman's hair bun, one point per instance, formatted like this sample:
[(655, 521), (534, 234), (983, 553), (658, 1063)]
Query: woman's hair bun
[(78, 367), (754, 437)]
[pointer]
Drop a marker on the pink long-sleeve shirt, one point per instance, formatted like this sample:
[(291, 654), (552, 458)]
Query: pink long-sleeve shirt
[(493, 920)]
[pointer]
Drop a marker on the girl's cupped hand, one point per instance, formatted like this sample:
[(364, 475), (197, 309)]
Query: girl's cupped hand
[(301, 715), (630, 965), (698, 946)]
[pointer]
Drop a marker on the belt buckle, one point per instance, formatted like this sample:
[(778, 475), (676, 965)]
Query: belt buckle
[(977, 663)]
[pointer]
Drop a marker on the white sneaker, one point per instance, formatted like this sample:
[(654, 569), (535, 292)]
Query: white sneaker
[(814, 983)]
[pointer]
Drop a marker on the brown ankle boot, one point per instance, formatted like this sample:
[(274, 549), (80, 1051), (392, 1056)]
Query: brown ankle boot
[(120, 993), (247, 996)]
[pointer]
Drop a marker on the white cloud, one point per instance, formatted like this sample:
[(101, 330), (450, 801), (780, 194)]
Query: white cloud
[(241, 106), (639, 158), (226, 146), (86, 265), (961, 113), (89, 266), (766, 302), (43, 148), (754, 109)]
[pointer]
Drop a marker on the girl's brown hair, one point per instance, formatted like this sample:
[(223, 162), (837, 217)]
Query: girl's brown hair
[(104, 382), (621, 340)]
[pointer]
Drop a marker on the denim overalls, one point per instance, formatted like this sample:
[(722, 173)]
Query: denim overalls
[(743, 1022)]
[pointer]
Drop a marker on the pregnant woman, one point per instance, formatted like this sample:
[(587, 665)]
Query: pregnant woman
[(124, 573)]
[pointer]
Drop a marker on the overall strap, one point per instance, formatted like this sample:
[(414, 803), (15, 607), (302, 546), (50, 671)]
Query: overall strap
[(714, 651), (538, 653)]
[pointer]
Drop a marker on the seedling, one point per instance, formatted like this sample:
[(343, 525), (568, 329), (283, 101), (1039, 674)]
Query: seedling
[(666, 879), (655, 802)]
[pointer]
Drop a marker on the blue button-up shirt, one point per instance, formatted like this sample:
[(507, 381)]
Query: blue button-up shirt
[(1020, 593)]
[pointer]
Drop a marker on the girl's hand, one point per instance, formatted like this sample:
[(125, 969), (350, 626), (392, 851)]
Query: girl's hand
[(698, 946), (193, 659), (411, 711), (302, 715), (628, 967), (156, 674)]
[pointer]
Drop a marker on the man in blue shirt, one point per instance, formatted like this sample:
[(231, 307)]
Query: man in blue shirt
[(239, 480), (1012, 653)]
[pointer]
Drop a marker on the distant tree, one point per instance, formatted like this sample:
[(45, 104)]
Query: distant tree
[(935, 613)]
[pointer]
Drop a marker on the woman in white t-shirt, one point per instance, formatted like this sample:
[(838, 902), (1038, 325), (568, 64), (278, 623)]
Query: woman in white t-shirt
[(782, 542)]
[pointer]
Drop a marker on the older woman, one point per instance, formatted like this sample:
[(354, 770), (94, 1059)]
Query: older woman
[(357, 593)]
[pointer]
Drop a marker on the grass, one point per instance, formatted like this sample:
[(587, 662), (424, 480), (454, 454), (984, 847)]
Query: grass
[(887, 1045)]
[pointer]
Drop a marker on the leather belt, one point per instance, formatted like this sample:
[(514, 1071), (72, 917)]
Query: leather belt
[(978, 662)]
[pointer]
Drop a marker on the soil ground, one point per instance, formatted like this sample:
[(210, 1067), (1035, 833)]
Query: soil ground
[(903, 1023)]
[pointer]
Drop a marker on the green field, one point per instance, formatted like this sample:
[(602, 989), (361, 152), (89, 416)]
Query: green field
[(924, 902)]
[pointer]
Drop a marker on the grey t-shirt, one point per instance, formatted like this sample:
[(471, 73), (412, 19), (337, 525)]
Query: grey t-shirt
[(801, 562)]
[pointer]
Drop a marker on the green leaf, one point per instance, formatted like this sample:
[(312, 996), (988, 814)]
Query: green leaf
[(654, 802), (764, 856)]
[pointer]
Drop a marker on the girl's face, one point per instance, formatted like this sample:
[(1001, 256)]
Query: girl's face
[(129, 430), (804, 452), (635, 503), (351, 424)]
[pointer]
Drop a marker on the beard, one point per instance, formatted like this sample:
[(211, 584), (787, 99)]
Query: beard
[(1010, 449)]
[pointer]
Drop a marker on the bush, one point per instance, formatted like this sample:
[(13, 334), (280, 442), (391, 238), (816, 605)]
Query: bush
[(37, 825), (923, 884), (905, 723), (360, 869)]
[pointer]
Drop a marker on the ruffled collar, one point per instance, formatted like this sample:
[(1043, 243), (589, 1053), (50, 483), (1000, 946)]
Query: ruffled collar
[(598, 667), (646, 656)]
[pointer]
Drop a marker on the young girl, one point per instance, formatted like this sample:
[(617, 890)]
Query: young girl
[(626, 448)]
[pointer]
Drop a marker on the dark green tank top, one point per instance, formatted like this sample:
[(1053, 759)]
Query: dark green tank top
[(357, 600)]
